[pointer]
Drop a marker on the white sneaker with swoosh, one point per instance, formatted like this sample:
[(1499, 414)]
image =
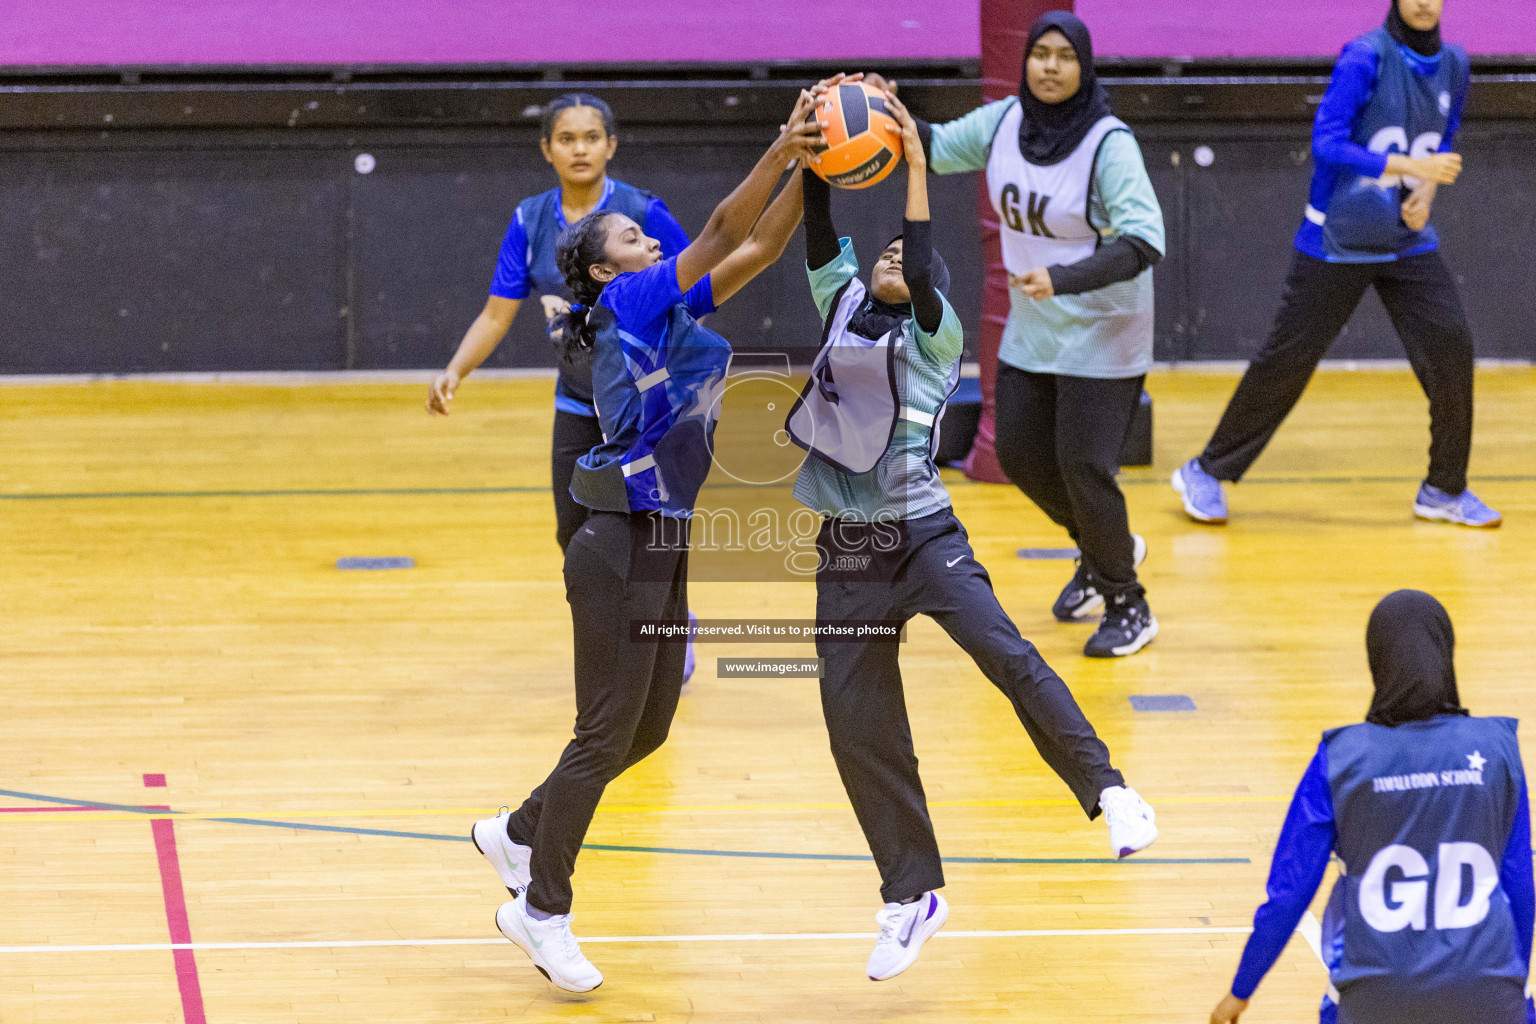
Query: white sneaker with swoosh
[(904, 927), (549, 944), (508, 858)]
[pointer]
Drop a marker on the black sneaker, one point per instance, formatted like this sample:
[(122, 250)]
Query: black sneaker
[(1080, 599), (1127, 627)]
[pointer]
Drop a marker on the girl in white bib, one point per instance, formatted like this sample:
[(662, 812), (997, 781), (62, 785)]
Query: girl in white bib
[(890, 548), (1081, 229)]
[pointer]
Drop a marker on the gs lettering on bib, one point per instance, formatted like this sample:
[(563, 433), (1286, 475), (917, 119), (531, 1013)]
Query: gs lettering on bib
[(1043, 211)]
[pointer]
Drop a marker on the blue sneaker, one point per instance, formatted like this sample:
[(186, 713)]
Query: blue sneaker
[(1202, 494), (688, 659), (1465, 508)]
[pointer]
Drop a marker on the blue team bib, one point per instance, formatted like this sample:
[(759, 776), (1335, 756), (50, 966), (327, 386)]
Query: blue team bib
[(677, 385), (543, 221), (1424, 812), (1408, 112)]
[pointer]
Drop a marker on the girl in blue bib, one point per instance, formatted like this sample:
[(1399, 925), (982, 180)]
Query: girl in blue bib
[(655, 375), (1384, 142), (579, 138), (1426, 808)]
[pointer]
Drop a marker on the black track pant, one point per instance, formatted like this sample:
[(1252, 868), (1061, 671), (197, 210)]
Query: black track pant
[(931, 571), (626, 691), (574, 437), (1388, 1000), (1059, 441), (1319, 297)]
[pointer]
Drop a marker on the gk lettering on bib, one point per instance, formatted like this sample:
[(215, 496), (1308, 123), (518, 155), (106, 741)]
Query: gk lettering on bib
[(1043, 211)]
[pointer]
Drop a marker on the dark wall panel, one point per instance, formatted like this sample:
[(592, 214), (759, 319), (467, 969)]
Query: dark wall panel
[(124, 261), (1242, 211), (428, 223), (230, 243), (1486, 222), (1171, 275)]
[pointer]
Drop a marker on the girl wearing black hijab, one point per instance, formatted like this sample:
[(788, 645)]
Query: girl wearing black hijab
[(1383, 143), (1430, 920), (1081, 229), (890, 548)]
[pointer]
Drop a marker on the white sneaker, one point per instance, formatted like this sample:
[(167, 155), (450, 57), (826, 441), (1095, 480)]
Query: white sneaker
[(904, 927), (1138, 550), (1131, 820), (511, 860), (549, 944)]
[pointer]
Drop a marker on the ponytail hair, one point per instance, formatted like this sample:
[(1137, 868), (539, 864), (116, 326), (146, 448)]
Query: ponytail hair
[(581, 245), (555, 107)]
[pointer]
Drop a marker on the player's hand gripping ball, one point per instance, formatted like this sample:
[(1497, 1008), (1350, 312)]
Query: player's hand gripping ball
[(863, 142)]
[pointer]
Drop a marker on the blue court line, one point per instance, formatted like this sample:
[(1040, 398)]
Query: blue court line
[(679, 851), (93, 804), (352, 492), (306, 826)]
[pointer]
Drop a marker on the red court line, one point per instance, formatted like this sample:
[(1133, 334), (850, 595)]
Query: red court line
[(176, 918)]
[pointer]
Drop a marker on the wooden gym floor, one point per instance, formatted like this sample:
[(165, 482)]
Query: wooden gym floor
[(171, 606)]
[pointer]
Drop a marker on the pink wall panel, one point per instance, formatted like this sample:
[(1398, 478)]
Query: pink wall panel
[(479, 31), (1294, 28), (624, 31)]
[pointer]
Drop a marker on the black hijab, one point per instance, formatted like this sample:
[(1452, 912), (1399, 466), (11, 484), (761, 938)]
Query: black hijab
[(1410, 645), (877, 318), (1425, 43), (1050, 132)]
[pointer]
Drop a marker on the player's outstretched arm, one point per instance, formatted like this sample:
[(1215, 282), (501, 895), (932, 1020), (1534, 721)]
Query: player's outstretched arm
[(917, 237), (479, 342), (764, 245), (732, 220), (917, 160), (1228, 1010), (821, 241)]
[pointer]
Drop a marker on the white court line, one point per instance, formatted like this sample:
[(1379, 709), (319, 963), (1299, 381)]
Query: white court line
[(781, 937), (1312, 930)]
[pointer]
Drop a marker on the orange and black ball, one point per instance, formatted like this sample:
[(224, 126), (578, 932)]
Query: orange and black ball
[(863, 141)]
